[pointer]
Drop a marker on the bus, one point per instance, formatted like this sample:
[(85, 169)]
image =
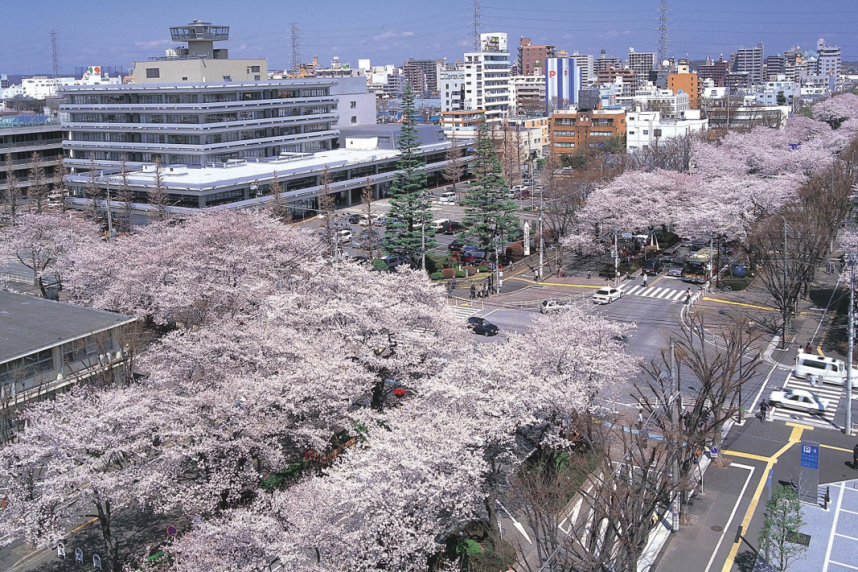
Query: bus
[(696, 268)]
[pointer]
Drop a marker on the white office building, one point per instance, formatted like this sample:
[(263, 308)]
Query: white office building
[(828, 60), (771, 91), (451, 85), (647, 128), (585, 64), (487, 78)]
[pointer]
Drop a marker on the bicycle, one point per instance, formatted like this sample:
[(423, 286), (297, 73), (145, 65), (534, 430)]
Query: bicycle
[(723, 287)]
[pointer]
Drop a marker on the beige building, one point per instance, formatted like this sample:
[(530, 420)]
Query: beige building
[(199, 62)]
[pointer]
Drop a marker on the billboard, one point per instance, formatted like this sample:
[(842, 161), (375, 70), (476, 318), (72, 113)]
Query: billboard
[(562, 81), (493, 43), (94, 70)]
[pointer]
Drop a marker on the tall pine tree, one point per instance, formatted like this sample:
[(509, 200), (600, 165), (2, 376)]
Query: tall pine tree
[(489, 214), (409, 203)]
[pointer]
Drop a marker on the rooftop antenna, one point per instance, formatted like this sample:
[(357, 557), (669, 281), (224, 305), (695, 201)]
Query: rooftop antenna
[(477, 24), (296, 57), (662, 32)]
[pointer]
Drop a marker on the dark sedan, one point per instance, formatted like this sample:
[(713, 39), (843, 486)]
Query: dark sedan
[(482, 326)]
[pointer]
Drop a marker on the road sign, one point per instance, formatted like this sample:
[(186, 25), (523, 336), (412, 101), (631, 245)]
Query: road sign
[(809, 455), (808, 486), (713, 452), (171, 530)]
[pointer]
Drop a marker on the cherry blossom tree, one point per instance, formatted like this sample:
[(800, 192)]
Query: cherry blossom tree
[(44, 242), (835, 110)]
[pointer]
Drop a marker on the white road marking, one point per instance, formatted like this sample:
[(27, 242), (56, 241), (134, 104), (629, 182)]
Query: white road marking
[(633, 289)]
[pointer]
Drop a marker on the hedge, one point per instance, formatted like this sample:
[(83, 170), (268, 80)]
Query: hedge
[(379, 264), (483, 269), (436, 276), (448, 272), (470, 270), (460, 274), (515, 249)]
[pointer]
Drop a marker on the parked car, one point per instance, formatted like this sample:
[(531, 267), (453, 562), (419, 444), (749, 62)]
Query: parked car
[(462, 256), (482, 326), (368, 239), (394, 261), (475, 251), (738, 269), (447, 197), (451, 227), (456, 246), (653, 266), (344, 235), (799, 399), (607, 295), (699, 243), (549, 306), (354, 218), (380, 220), (669, 254)]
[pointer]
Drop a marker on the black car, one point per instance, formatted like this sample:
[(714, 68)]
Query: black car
[(482, 326), (653, 266), (354, 219), (451, 227), (456, 246)]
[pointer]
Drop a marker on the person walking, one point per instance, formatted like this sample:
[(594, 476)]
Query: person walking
[(808, 349), (589, 274), (453, 283), (473, 292), (764, 410), (812, 379), (644, 280)]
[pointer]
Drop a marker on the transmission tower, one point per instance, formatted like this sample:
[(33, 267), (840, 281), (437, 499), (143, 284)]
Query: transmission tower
[(296, 57), (662, 33), (55, 54), (477, 25)]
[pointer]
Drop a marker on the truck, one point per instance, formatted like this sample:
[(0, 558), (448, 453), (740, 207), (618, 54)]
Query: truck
[(696, 268)]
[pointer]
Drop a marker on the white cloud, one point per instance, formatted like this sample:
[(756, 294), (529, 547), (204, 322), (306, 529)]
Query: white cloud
[(390, 35), (407, 34), (153, 43)]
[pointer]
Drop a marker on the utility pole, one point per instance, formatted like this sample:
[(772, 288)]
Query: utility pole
[(422, 233), (711, 261), (616, 253), (55, 55), (784, 295), (675, 422), (541, 234), (109, 214), (662, 34), (848, 428)]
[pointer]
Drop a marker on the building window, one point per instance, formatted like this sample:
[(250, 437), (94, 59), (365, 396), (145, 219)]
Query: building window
[(646, 131), (631, 132), (565, 133), (153, 73), (227, 78), (256, 78), (353, 104), (354, 119), (254, 69), (565, 145), (27, 366), (184, 78)]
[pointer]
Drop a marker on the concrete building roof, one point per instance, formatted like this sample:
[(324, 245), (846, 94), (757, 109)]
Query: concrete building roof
[(29, 324)]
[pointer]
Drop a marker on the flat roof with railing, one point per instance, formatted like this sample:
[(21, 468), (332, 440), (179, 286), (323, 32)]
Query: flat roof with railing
[(27, 120)]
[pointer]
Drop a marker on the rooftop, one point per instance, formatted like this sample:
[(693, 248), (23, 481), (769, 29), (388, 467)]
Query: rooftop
[(192, 86), (29, 324), (27, 120)]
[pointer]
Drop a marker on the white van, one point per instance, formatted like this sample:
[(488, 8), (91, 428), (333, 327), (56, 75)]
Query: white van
[(344, 235), (447, 197), (826, 369), (438, 225)]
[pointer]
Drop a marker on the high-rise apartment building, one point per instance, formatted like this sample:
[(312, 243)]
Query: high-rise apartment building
[(527, 95), (604, 62), (487, 77), (452, 87), (716, 71), (828, 60), (422, 75), (750, 61), (627, 77), (585, 63), (531, 58), (641, 63), (775, 66)]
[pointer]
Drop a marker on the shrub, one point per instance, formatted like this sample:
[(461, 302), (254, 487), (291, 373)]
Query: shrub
[(448, 272), (460, 273), (483, 269), (437, 262), (470, 270), (515, 249), (436, 276), (379, 264)]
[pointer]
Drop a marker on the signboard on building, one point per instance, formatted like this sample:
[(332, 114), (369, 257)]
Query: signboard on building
[(452, 76), (493, 43), (94, 70)]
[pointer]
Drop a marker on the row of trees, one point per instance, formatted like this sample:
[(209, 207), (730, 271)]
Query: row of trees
[(40, 187)]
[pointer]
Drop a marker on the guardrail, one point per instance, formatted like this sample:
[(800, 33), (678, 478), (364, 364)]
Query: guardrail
[(16, 278)]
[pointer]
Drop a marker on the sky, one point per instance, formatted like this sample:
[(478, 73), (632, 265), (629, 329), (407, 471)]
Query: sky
[(117, 32)]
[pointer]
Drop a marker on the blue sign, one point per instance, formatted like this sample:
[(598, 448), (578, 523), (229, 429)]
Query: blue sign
[(810, 456)]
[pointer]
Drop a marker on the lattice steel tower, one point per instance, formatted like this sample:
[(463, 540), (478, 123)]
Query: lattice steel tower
[(296, 56), (662, 33), (477, 25)]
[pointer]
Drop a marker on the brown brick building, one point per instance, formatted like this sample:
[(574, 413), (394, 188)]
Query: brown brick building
[(531, 58), (579, 132)]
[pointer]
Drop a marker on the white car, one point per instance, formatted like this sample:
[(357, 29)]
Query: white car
[(607, 295), (549, 306), (800, 399)]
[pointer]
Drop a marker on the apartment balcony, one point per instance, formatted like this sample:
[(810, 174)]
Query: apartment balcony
[(186, 128), (194, 107)]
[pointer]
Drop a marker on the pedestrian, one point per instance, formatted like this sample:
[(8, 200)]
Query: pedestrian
[(855, 458), (453, 283), (808, 349), (812, 379), (449, 290), (644, 280), (764, 410), (640, 418), (473, 292)]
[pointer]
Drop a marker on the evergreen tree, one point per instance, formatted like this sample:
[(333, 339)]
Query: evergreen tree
[(409, 205), (488, 211)]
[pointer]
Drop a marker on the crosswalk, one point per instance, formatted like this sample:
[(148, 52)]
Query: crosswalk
[(832, 393), (465, 312), (655, 293)]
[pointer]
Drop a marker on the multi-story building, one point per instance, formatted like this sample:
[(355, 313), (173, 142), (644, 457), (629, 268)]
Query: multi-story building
[(627, 77), (452, 87), (338, 69), (527, 94), (359, 156), (580, 132), (199, 62), (792, 63), (4, 81), (828, 60), (670, 105), (562, 83), (355, 105), (604, 62), (748, 117), (196, 124), (641, 63), (716, 71), (775, 66), (586, 65), (779, 91), (688, 83), (43, 87), (422, 75), (487, 77), (531, 59), (21, 135), (750, 61), (464, 123), (646, 128)]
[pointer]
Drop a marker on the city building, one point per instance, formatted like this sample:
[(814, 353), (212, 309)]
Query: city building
[(750, 62), (452, 86), (646, 128), (688, 83), (734, 81), (604, 62), (828, 60), (199, 62), (527, 94), (43, 87), (775, 66), (579, 132), (355, 105), (20, 136), (4, 81), (641, 63), (487, 77), (531, 58), (780, 91), (422, 75), (47, 346), (670, 105), (748, 117), (198, 123), (586, 65), (464, 122), (337, 69), (617, 75), (562, 82), (716, 71), (359, 156)]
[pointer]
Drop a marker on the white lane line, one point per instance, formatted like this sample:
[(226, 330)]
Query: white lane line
[(849, 511), (841, 564), (665, 293), (651, 291), (732, 514), (632, 289), (844, 536)]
